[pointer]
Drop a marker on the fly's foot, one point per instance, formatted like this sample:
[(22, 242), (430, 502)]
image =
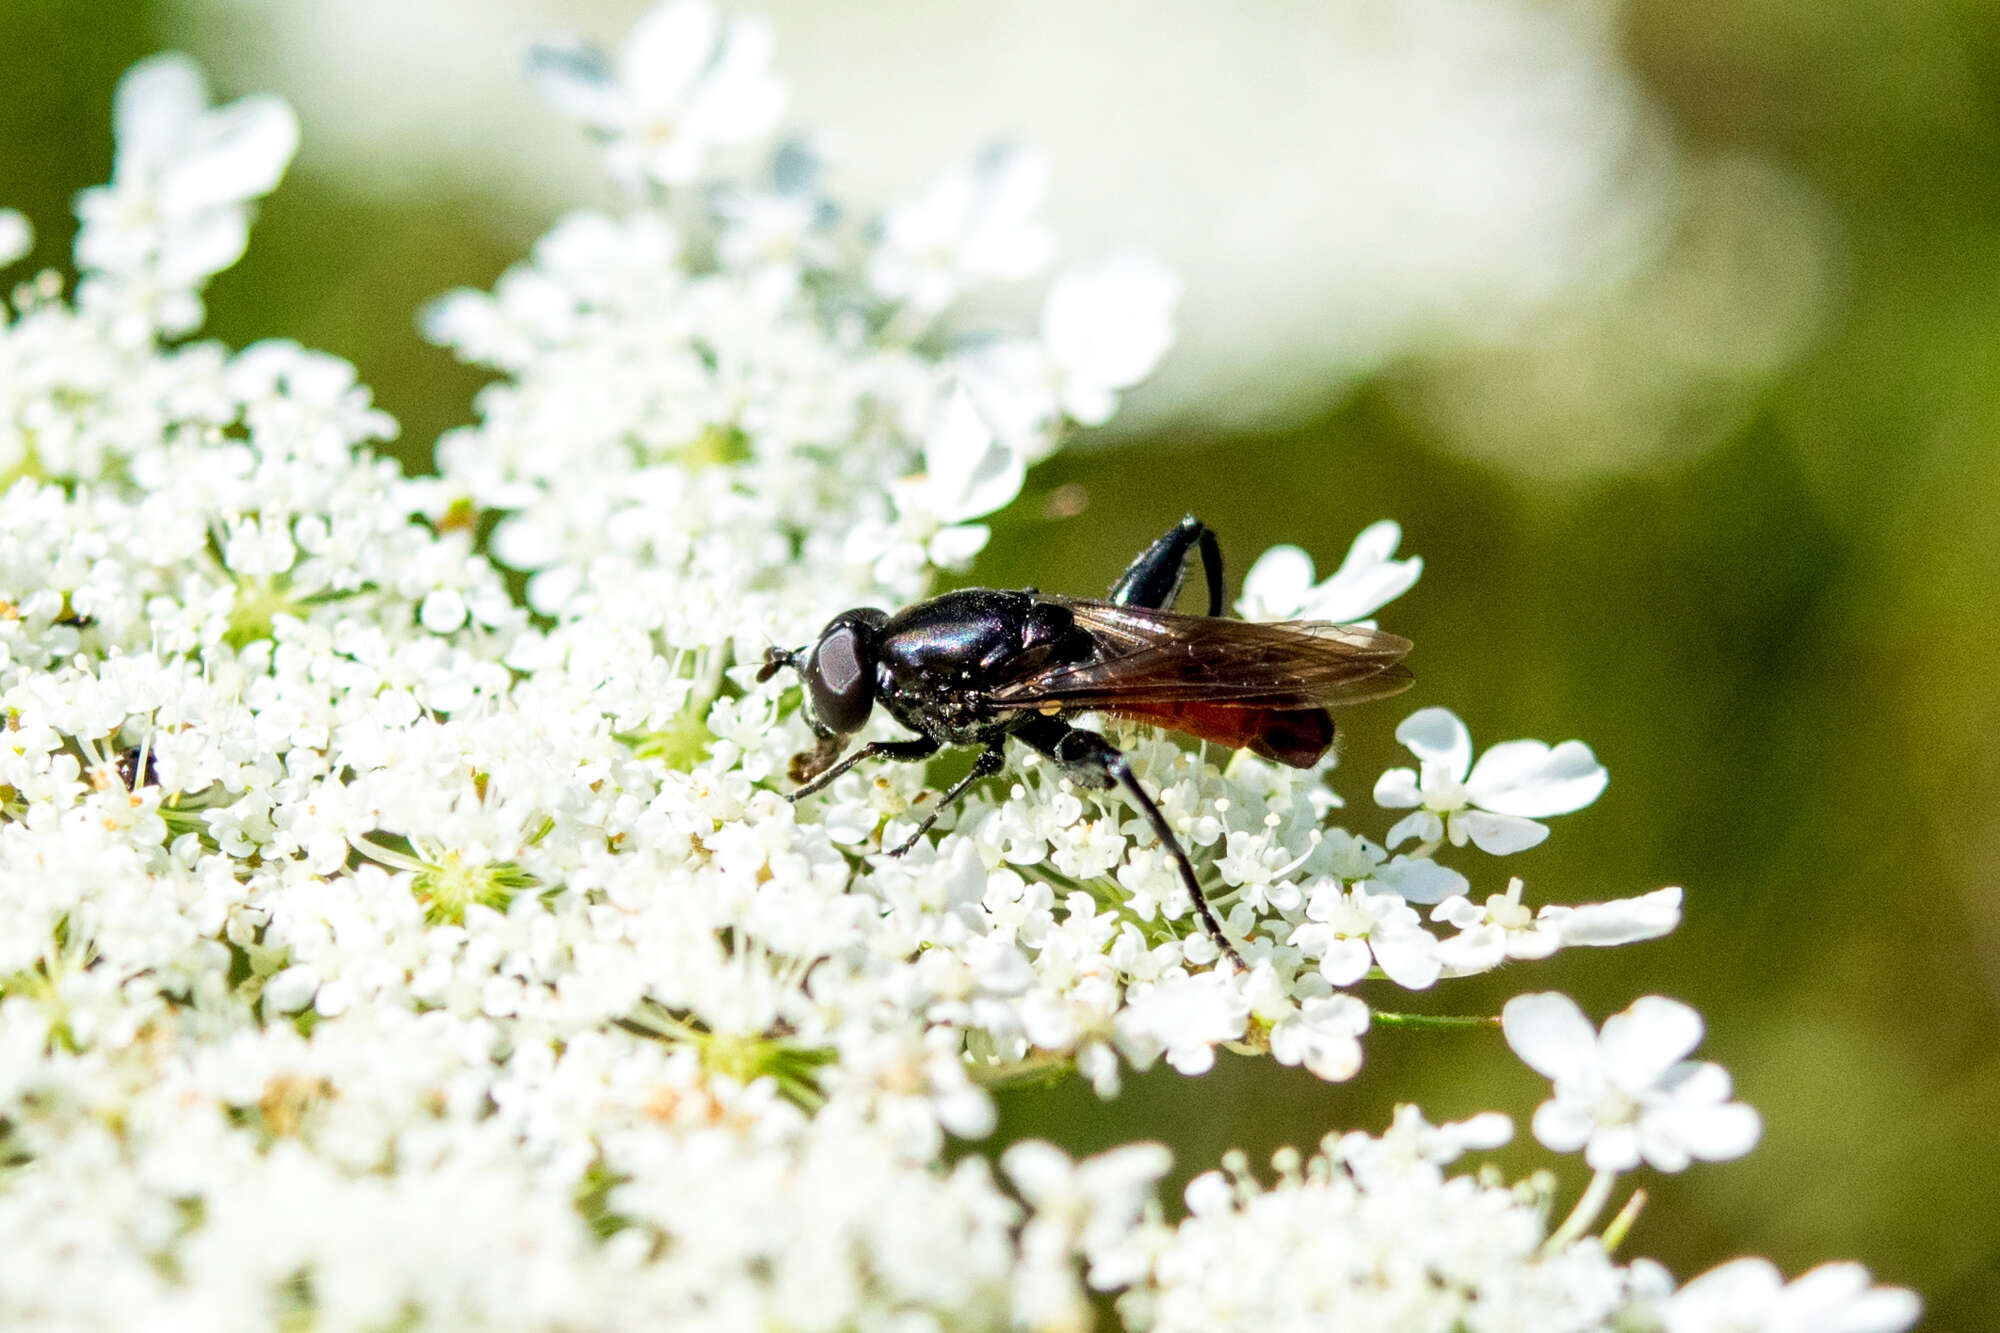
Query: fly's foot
[(809, 764)]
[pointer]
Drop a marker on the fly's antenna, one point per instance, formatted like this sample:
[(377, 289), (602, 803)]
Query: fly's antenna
[(776, 658)]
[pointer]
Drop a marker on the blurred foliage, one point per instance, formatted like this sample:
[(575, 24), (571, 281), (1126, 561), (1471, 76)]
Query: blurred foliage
[(1784, 648)]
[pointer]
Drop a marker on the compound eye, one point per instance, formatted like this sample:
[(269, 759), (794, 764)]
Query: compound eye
[(841, 677)]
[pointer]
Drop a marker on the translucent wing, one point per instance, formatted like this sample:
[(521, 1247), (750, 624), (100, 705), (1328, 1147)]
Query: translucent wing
[(1148, 658)]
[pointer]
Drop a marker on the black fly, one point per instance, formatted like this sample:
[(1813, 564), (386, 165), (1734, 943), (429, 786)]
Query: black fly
[(976, 666)]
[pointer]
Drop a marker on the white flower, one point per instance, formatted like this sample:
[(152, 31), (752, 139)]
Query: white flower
[(1506, 928), (1627, 1094), (976, 225), (376, 956), (1495, 803), (1280, 585), (16, 236), (1185, 1017), (686, 83), (969, 469), (1105, 326), (176, 211), (1348, 929), (1750, 1296), (1324, 1035), (1090, 1206)]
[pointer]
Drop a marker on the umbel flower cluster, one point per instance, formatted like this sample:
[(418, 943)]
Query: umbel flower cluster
[(402, 922)]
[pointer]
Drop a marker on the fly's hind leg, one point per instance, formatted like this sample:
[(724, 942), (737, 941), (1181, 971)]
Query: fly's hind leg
[(1154, 579), (1089, 759)]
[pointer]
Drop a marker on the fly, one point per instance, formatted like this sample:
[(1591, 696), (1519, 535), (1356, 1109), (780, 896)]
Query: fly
[(976, 666)]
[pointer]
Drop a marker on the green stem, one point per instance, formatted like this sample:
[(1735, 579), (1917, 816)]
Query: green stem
[(1382, 1018), (1041, 1067), (1615, 1229)]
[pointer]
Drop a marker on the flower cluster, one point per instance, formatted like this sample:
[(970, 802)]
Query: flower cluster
[(382, 948)]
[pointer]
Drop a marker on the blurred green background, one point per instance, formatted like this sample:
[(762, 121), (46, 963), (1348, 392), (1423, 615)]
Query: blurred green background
[(1782, 640)]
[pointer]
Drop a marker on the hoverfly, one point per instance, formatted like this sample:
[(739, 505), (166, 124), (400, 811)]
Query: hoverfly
[(976, 666)]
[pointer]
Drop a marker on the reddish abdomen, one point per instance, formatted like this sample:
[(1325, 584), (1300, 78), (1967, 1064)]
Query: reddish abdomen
[(1293, 736)]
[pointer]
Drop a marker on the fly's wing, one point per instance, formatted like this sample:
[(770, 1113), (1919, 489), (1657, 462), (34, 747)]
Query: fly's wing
[(1149, 660), (1247, 685)]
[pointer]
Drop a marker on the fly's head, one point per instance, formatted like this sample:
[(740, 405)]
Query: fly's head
[(838, 672)]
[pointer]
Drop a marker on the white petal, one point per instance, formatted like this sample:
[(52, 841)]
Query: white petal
[(1620, 921), (1550, 1034), (1408, 957), (1641, 1044), (1397, 789), (1419, 824), (1613, 1148), (1040, 1171), (954, 547), (738, 98), (1344, 962), (666, 49), (1712, 1133), (1488, 1129), (1696, 1083), (239, 152), (1660, 1146), (292, 989), (971, 470), (1417, 879), (1740, 1291), (1528, 778), (192, 252), (1108, 323), (1275, 589), (443, 610), (1436, 735), (1210, 1194), (1497, 835), (1367, 580), (16, 236), (1836, 1298), (1480, 949), (155, 109), (1562, 1126), (1008, 381)]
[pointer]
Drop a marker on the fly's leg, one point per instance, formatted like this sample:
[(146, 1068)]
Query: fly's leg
[(1154, 579), (1088, 758), (907, 752), (991, 760)]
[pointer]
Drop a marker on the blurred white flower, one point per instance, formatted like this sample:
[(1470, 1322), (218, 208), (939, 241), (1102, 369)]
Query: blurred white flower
[(1280, 585), (1324, 1035), (16, 236), (786, 222), (686, 83), (976, 225), (176, 210), (1105, 326), (1750, 1296), (969, 469), (1627, 1094), (1493, 804)]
